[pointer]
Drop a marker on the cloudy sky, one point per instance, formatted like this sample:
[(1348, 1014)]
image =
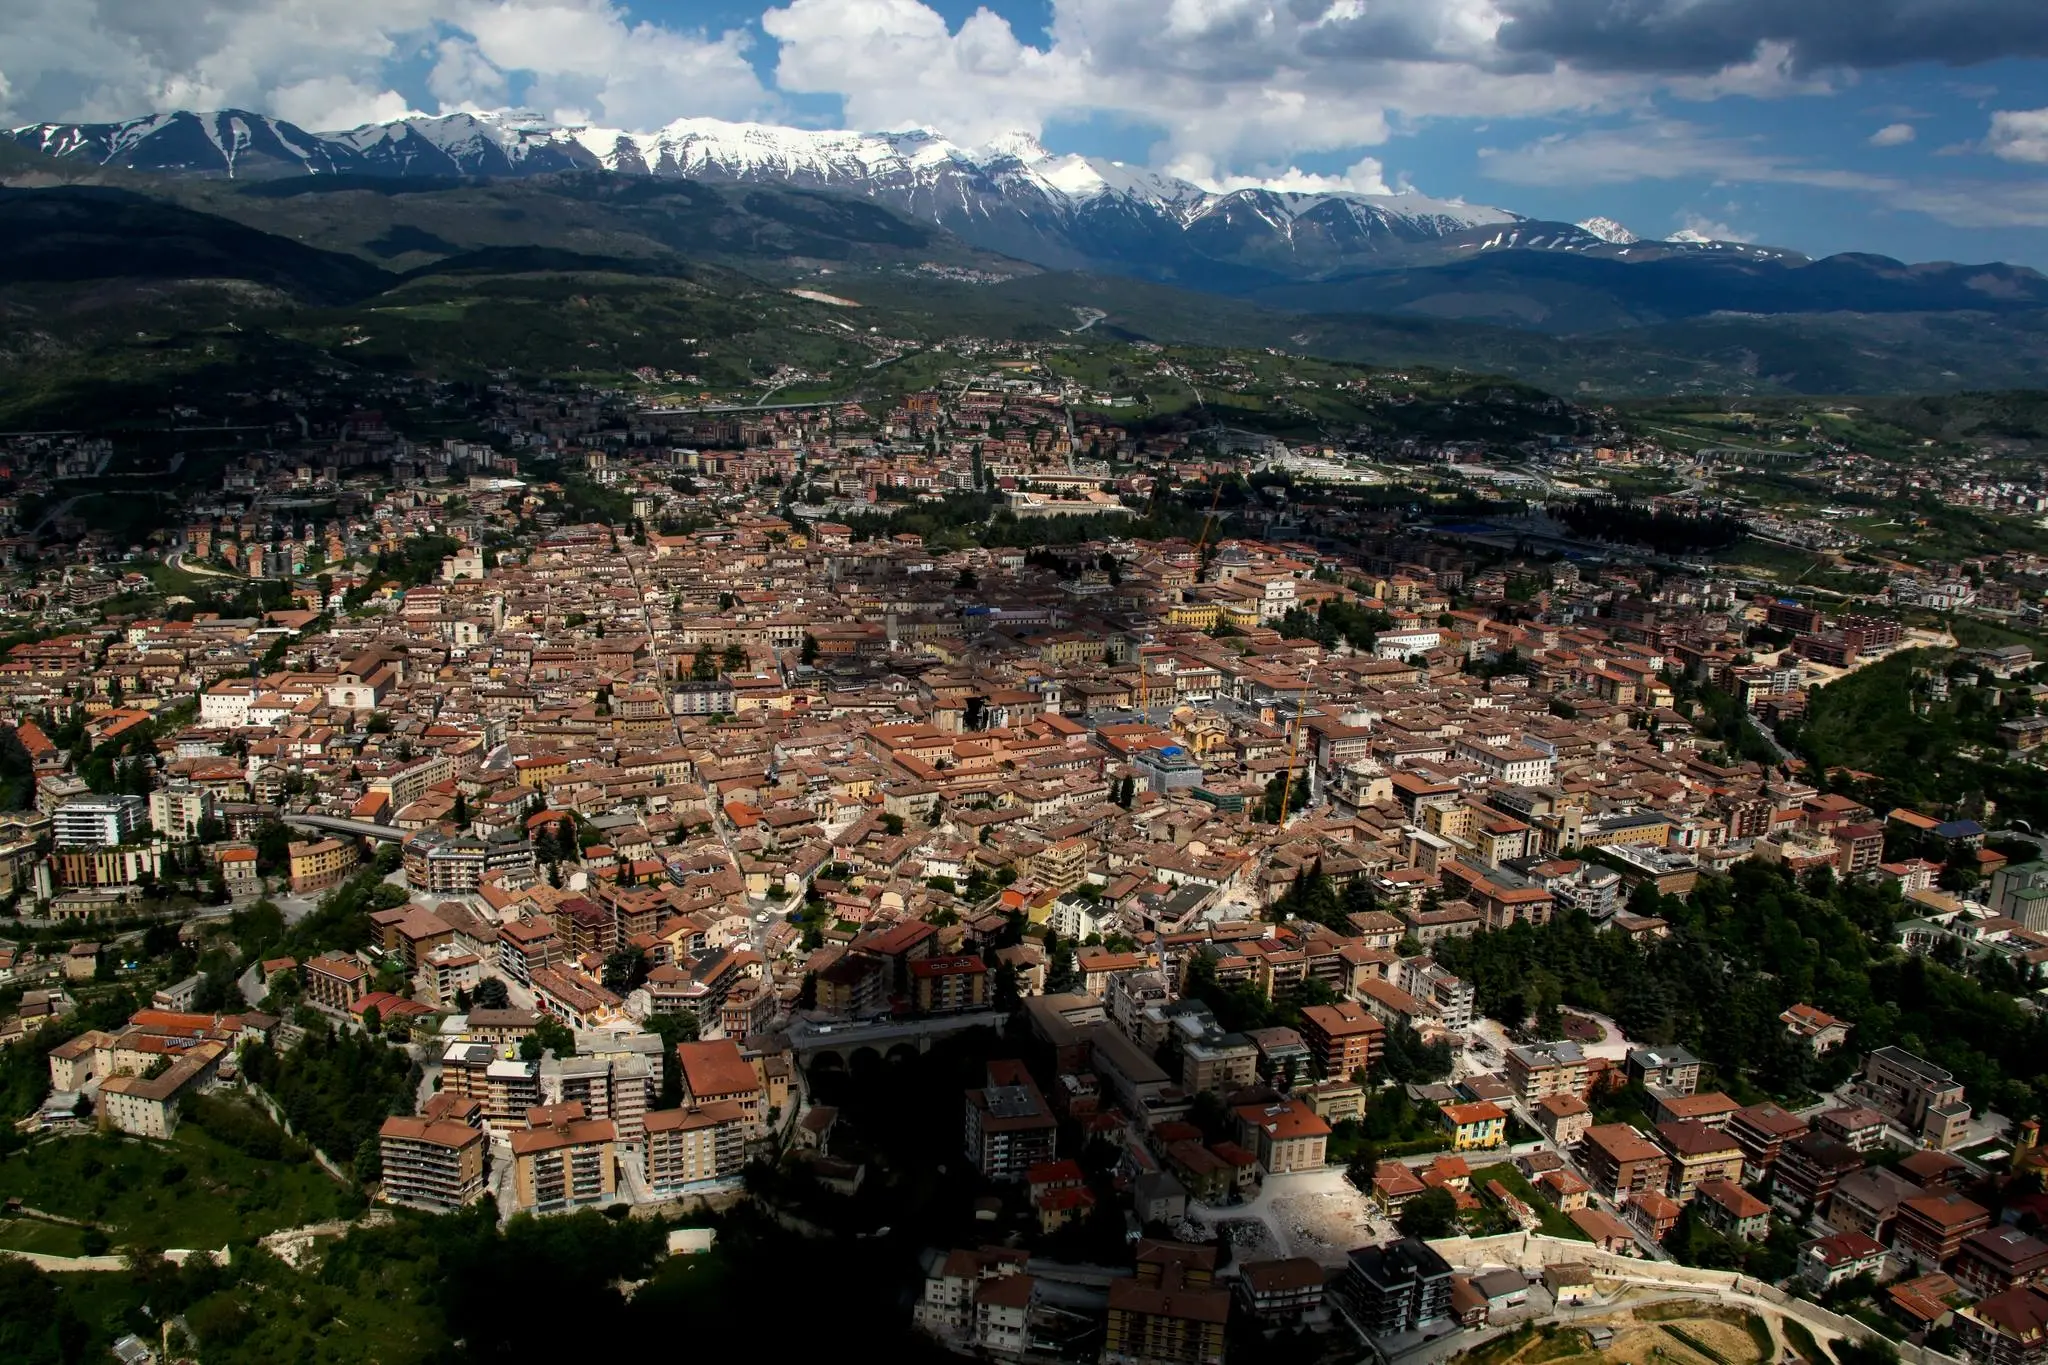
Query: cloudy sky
[(1916, 128)]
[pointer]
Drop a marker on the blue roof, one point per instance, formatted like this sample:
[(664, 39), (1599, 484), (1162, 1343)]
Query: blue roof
[(1959, 829)]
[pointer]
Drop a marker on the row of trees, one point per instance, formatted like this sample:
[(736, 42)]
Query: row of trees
[(1742, 949), (336, 1088)]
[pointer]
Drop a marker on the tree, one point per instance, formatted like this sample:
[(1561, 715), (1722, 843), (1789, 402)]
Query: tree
[(490, 994), (892, 824), (734, 658), (1363, 1165), (1431, 1214), (1126, 791), (1296, 796), (549, 1035), (1005, 995), (810, 650), (369, 1162), (1061, 972), (373, 1021), (273, 848), (624, 970), (460, 815)]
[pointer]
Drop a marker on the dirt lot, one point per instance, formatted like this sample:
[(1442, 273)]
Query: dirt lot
[(1324, 1226), (1640, 1338)]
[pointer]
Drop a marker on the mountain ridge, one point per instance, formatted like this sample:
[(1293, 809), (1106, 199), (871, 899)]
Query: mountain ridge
[(1058, 211)]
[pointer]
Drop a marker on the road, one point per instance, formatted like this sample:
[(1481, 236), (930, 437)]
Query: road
[(757, 933), (805, 1036), (176, 562)]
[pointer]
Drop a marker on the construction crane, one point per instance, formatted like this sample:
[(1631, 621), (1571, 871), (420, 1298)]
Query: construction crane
[(1294, 747), (1214, 498)]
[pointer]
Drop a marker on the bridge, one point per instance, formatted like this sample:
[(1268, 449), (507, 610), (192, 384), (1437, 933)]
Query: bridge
[(334, 824), (834, 1042)]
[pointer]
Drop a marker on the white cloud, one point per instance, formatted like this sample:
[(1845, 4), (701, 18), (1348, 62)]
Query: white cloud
[(1233, 86), (463, 78), (896, 65), (1364, 176), (338, 61), (1698, 225), (1980, 203), (2019, 135), (1894, 135), (1661, 149), (336, 102)]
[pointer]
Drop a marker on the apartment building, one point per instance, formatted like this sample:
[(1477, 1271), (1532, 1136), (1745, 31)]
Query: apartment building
[(319, 864), (334, 980), (687, 1147), (1929, 1231), (717, 1073), (1698, 1154), (1538, 1070), (1622, 1163), (178, 810), (1671, 1069), (1761, 1130), (1867, 1201), (1343, 1039), (1390, 1290), (1285, 1136), (1804, 1177), (618, 1087), (1920, 1096), (1218, 1062), (1476, 1126), (1009, 1127), (948, 985), (1828, 1261), (1280, 1292), (147, 1106), (1863, 1129), (956, 1287), (564, 1160), (2000, 1258), (1170, 1312), (97, 821), (2006, 1329), (527, 946), (1563, 1119), (433, 1164)]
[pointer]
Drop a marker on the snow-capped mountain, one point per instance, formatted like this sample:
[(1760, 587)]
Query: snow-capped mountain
[(1010, 195), (1609, 231)]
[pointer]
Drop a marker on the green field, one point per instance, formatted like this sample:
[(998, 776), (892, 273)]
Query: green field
[(1553, 1224), (44, 1239), (193, 1191)]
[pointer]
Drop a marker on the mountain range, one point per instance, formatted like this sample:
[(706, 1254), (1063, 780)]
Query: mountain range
[(1011, 196), (119, 229)]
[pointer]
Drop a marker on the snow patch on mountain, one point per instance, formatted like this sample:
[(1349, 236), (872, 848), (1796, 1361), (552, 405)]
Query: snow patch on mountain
[(1609, 231)]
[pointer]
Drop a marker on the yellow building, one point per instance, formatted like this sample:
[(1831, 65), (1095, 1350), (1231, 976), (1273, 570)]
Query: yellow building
[(319, 864), (1475, 1127)]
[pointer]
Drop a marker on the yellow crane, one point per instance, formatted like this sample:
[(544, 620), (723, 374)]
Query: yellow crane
[(1214, 498), (1294, 746)]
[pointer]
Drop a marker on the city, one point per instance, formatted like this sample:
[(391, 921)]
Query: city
[(1173, 892)]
